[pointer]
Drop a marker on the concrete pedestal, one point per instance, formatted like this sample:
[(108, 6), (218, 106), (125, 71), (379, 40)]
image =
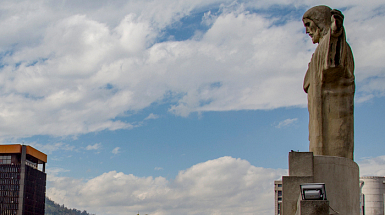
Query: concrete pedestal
[(313, 207), (340, 175)]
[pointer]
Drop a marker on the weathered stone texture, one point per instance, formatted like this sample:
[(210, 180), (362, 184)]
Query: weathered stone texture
[(329, 84)]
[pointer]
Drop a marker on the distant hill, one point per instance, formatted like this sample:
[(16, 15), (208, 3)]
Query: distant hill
[(51, 208)]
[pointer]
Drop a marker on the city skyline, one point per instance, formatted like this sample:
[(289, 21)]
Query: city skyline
[(175, 107)]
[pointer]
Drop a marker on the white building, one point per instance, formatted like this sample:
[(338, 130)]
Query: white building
[(372, 195), (278, 197)]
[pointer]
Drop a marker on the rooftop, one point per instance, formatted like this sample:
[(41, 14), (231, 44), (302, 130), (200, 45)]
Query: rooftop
[(16, 149)]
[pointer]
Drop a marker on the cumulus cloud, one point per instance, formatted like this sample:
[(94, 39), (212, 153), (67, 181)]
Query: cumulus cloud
[(372, 166), (70, 69), (222, 186)]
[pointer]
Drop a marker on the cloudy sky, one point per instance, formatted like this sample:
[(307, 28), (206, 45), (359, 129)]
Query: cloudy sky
[(175, 106)]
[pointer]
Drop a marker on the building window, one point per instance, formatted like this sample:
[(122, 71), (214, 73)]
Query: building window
[(279, 209), (5, 159), (279, 185), (279, 193), (31, 164)]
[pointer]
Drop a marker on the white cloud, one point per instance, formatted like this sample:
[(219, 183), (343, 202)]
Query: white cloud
[(372, 166), (96, 146), (49, 148), (116, 151), (158, 168), (151, 116), (70, 69), (286, 122), (222, 186), (54, 171)]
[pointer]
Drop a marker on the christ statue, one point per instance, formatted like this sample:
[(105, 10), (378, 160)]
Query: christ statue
[(329, 84)]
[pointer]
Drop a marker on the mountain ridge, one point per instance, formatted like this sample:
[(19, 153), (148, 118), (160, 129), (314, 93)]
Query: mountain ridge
[(52, 208)]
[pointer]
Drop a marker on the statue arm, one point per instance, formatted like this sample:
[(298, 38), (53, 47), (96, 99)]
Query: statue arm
[(335, 41), (337, 21), (339, 61)]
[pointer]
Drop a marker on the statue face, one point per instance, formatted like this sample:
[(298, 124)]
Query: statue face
[(313, 30)]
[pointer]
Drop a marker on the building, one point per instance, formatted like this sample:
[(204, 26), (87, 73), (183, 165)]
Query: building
[(278, 197), (372, 191), (372, 195), (22, 180)]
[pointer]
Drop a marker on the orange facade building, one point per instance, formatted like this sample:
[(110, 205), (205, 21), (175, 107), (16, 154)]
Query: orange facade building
[(22, 180)]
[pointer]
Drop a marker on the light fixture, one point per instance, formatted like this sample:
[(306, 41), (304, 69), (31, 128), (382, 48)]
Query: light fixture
[(313, 191)]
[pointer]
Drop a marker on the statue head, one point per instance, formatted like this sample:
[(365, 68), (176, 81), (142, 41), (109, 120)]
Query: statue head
[(317, 21)]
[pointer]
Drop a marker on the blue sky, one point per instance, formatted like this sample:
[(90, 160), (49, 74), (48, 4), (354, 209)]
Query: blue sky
[(175, 107)]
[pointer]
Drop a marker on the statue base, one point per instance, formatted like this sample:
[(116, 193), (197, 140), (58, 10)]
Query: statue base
[(340, 175), (313, 207)]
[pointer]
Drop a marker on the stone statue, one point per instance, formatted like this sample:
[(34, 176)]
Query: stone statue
[(329, 84)]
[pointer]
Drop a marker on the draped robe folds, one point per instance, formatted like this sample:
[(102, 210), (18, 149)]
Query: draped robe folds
[(329, 83)]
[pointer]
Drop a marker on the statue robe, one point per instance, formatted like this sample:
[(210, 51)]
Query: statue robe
[(329, 83)]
